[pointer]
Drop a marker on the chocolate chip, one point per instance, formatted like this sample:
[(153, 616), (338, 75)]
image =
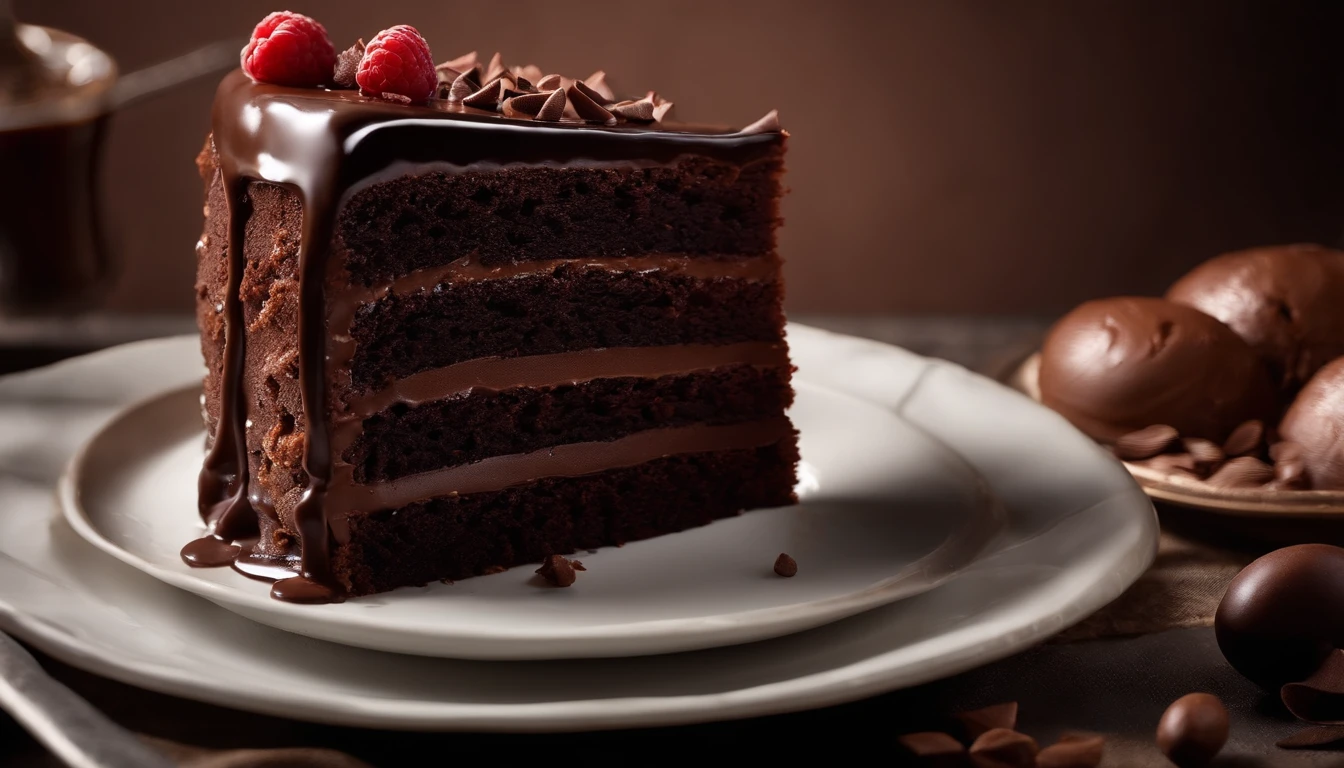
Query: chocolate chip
[(934, 749), (786, 566), (977, 722), (1145, 443), (1193, 730), (347, 65), (1204, 452), (1242, 472), (1004, 748), (1245, 438), (1173, 464), (558, 570), (1072, 752)]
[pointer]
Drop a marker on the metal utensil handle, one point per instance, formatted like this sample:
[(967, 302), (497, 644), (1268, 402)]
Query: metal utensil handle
[(66, 724)]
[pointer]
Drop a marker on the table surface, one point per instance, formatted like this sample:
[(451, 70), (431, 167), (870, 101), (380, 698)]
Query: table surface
[(1118, 687)]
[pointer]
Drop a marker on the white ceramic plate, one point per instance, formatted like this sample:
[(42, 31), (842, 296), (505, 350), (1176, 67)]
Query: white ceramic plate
[(887, 513), (1079, 531)]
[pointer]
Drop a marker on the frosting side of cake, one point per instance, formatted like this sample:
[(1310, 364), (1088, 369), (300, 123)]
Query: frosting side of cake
[(466, 329)]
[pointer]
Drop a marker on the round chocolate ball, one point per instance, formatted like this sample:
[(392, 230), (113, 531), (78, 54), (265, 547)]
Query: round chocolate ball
[(1286, 301), (1283, 614), (1115, 366), (1315, 421), (1193, 730)]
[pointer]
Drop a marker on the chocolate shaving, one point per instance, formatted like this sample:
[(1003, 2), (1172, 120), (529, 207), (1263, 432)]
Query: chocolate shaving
[(585, 107), (1205, 452), (786, 566), (661, 107), (466, 64), (347, 65), (1242, 472), (1245, 438), (461, 88), (767, 124), (593, 94), (1173, 464), (598, 83), (395, 97), (557, 570), (934, 748), (496, 68), (1320, 698), (554, 108), (1316, 737), (550, 83), (489, 95), (1072, 752), (1004, 747), (530, 72), (977, 722), (547, 107), (638, 110), (1145, 443)]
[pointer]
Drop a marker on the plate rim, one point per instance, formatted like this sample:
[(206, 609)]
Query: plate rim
[(876, 673), (598, 641)]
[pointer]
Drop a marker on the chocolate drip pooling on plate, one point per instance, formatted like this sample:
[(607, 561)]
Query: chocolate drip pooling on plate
[(325, 145)]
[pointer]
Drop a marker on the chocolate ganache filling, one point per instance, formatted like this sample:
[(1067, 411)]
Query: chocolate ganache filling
[(326, 145)]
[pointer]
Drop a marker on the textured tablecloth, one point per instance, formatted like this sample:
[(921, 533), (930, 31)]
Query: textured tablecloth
[(1113, 673)]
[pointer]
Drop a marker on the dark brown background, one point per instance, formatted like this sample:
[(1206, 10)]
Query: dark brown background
[(988, 157)]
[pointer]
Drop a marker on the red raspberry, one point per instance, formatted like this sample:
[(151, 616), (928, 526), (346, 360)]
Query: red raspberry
[(397, 60), (289, 49)]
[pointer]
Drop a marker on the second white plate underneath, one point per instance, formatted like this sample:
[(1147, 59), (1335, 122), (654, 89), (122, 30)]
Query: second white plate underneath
[(887, 513)]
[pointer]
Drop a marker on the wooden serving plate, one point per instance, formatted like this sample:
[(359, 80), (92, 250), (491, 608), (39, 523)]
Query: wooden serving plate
[(1194, 494)]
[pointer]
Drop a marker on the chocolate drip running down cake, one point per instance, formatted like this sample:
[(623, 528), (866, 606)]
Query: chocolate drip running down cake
[(444, 339)]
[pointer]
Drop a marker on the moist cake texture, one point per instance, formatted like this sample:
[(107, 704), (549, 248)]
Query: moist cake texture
[(440, 340)]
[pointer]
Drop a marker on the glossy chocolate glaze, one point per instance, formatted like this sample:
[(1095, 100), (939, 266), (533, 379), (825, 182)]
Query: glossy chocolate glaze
[(324, 146), (1115, 366)]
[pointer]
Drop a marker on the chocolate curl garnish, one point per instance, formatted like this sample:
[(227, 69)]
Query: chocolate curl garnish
[(347, 65), (598, 82), (531, 72), (547, 107), (1320, 698), (593, 95), (496, 68), (464, 63), (585, 107), (523, 84), (767, 124), (550, 83), (661, 106), (462, 88), (489, 95), (639, 110)]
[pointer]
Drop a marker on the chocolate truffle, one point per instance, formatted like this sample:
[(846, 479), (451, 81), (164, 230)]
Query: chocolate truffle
[(1315, 422), (1286, 301), (1114, 366)]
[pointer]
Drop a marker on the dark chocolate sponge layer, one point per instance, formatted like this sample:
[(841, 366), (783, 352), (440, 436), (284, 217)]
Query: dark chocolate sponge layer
[(403, 441), (571, 309), (454, 538), (698, 206)]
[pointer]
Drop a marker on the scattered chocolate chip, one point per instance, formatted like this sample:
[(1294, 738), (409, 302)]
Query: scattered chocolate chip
[(1004, 748), (977, 722), (347, 65), (1316, 737), (550, 83), (1075, 752), (493, 569), (1205, 452), (767, 124), (1245, 438), (395, 97), (1242, 472), (786, 566), (586, 108), (934, 749), (1193, 730), (558, 570), (1145, 443)]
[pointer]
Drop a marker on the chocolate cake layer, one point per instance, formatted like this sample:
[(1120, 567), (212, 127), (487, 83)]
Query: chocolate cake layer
[(697, 206), (404, 441), (454, 538), (571, 309)]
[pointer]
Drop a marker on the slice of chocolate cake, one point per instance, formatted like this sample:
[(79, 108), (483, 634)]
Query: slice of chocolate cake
[(453, 336)]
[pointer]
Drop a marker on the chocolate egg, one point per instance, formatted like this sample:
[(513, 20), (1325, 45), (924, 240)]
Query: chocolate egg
[(1115, 366), (1315, 422), (1286, 301), (1193, 730), (1283, 614)]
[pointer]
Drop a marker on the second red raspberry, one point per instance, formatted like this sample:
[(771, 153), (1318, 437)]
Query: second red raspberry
[(397, 60)]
